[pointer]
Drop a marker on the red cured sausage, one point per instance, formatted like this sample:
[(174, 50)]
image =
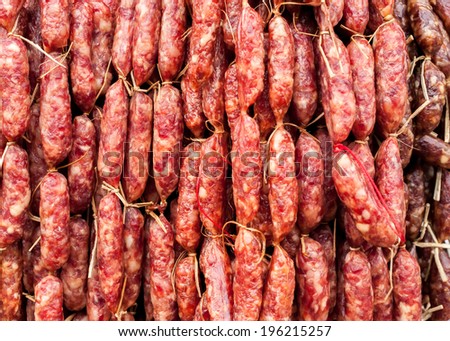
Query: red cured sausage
[(356, 15), (55, 120), (39, 270), (55, 24), (187, 295), (262, 110), (415, 179), (137, 148), (246, 169), (110, 250), (439, 290), (74, 273), (435, 85), (9, 10), (192, 102), (389, 179), (162, 259), (148, 306), (171, 42), (280, 66), (249, 57), (167, 138), (324, 236), (233, 9), (354, 238), (211, 183), (334, 12), (364, 205), (201, 311), (96, 307), (81, 71), (391, 70), (382, 296), (283, 188), (123, 35), (338, 98), (206, 19), (364, 155), (326, 145), (37, 164), (16, 195), (358, 290), (442, 9), (310, 179), (213, 89), (304, 100), (424, 25), (133, 250), (113, 134), (378, 10), (14, 88), (11, 282), (102, 40), (433, 150), (49, 299), (407, 287), (248, 276), (313, 281), (232, 98), (80, 174), (147, 27), (362, 64), (187, 221), (279, 288), (54, 211), (216, 267), (291, 242), (442, 209), (33, 33)]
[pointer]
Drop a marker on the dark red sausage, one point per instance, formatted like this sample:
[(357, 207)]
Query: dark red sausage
[(248, 276), (415, 179), (433, 150), (147, 27), (74, 273), (137, 148), (407, 287), (16, 194), (363, 71), (162, 259), (133, 250), (382, 295), (283, 187), (55, 24), (249, 57), (55, 120), (313, 281), (11, 282), (171, 42), (54, 211), (280, 66), (211, 188), (279, 288), (81, 71), (187, 221), (442, 209), (110, 250), (123, 36), (14, 88), (310, 179), (167, 137), (216, 267), (185, 282), (246, 169), (358, 290), (304, 100), (49, 299), (442, 9), (391, 70), (113, 134), (80, 174), (439, 289)]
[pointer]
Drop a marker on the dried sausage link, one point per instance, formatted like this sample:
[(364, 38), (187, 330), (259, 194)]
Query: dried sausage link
[(11, 282), (441, 221), (49, 299), (55, 24), (433, 150), (187, 295)]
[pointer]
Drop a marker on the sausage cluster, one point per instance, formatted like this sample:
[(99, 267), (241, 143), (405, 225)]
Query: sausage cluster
[(211, 160)]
